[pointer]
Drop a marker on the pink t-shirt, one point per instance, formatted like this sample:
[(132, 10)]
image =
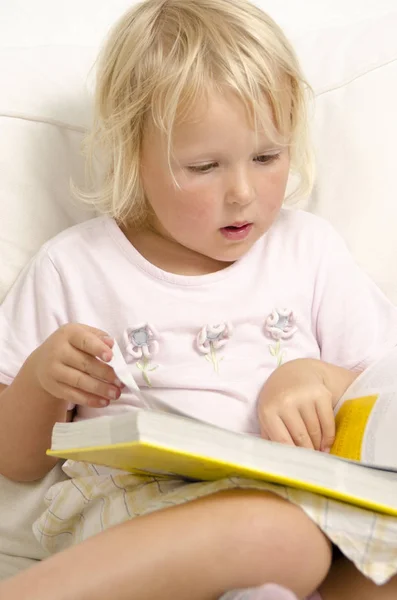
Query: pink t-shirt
[(204, 344)]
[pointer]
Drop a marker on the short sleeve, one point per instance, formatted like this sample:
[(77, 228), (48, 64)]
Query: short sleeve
[(355, 322), (32, 311)]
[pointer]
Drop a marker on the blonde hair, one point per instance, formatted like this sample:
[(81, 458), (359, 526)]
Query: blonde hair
[(161, 58)]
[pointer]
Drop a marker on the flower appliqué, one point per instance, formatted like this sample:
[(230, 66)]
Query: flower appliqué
[(141, 342), (210, 339), (280, 325)]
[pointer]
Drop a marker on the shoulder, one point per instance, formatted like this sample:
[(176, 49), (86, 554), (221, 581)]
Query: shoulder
[(302, 235), (296, 223), (90, 237), (93, 231), (63, 252)]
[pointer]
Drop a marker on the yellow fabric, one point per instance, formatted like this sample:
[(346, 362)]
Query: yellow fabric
[(96, 498)]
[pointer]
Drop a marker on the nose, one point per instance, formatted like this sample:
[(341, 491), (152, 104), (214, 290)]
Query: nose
[(240, 188)]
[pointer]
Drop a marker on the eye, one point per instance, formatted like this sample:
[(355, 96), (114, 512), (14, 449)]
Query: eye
[(264, 159), (203, 168)]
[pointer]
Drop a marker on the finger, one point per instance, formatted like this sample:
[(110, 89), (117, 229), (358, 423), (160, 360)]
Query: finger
[(91, 366), (327, 422), (312, 423), (275, 430), (297, 429), (75, 396), (99, 332), (85, 383), (105, 337), (108, 341), (90, 343)]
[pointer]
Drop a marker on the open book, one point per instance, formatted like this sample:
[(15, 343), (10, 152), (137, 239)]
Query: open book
[(359, 469)]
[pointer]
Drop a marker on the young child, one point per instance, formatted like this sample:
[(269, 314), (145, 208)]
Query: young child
[(230, 308)]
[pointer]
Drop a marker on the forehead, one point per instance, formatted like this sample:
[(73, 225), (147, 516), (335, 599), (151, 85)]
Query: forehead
[(221, 117)]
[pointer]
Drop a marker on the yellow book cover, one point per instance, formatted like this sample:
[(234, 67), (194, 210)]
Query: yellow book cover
[(166, 444), (351, 423)]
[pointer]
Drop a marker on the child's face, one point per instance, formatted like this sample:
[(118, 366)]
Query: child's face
[(227, 176)]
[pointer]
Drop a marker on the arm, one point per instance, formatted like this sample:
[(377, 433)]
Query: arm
[(336, 379), (296, 403), (27, 416), (353, 323), (64, 369), (48, 363)]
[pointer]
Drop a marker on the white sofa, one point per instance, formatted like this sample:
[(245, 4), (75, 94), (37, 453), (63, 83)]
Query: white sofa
[(349, 53)]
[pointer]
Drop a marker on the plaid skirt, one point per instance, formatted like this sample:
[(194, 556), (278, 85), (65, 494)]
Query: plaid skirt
[(95, 498)]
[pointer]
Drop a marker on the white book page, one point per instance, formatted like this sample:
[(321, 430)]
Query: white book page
[(379, 445), (382, 375), (315, 468)]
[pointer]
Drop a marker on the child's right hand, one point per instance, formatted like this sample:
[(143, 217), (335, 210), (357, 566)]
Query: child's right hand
[(67, 366)]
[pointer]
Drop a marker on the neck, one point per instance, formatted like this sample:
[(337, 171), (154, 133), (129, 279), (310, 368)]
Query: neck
[(167, 254)]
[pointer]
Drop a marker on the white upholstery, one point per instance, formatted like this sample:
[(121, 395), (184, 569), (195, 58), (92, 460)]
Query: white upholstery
[(349, 53)]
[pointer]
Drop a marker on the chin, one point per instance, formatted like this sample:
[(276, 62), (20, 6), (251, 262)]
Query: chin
[(233, 253)]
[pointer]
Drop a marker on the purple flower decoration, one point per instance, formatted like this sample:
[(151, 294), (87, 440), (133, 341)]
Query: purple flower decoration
[(211, 338), (141, 341), (281, 324)]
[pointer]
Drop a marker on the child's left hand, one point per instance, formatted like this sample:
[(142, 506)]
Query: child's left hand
[(296, 403)]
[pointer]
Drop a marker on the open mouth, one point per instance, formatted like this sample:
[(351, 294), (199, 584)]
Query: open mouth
[(237, 231)]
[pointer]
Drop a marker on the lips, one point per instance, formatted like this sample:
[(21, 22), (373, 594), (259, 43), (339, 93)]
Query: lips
[(239, 224), (238, 231)]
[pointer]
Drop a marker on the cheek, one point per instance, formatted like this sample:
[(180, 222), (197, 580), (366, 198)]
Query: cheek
[(275, 185), (178, 210), (194, 206), (192, 202), (195, 200)]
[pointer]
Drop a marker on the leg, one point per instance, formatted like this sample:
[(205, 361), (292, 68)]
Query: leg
[(198, 550), (345, 582)]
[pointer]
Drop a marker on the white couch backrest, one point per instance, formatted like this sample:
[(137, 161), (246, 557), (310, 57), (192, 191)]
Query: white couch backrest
[(348, 51)]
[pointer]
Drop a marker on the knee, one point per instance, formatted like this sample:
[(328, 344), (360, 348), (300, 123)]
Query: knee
[(283, 544)]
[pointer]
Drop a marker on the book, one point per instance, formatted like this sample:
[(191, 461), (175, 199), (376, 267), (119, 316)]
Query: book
[(361, 468)]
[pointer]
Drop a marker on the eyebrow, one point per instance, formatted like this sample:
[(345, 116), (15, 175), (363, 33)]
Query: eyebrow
[(199, 154)]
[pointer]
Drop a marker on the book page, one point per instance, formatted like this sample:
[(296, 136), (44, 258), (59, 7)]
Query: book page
[(366, 416), (170, 445), (382, 375)]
